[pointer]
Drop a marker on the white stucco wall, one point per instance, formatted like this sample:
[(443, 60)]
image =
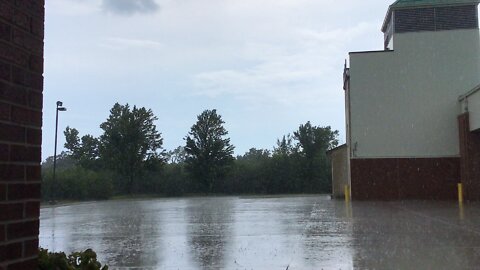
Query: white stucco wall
[(405, 103)]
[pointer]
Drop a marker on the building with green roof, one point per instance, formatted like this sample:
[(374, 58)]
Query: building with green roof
[(402, 105), (415, 14), (418, 3)]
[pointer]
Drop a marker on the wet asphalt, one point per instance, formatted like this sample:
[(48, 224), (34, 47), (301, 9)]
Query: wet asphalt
[(284, 232)]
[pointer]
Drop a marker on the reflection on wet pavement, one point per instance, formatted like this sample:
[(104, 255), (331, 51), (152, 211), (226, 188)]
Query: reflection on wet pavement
[(209, 230), (305, 232)]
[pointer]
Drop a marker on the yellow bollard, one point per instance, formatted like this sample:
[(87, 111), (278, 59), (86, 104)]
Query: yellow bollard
[(347, 193), (460, 193), (348, 210), (461, 212)]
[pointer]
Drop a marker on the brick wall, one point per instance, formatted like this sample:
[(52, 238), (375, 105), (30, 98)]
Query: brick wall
[(405, 178), (470, 158), (21, 87)]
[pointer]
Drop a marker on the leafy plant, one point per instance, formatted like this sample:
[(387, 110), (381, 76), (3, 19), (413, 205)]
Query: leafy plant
[(86, 260)]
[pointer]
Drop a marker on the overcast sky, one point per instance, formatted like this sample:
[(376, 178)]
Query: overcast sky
[(267, 66)]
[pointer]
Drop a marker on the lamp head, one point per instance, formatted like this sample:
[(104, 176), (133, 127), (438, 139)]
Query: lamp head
[(62, 109)]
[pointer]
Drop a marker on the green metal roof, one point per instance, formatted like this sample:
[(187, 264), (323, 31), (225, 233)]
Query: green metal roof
[(418, 3), (399, 4)]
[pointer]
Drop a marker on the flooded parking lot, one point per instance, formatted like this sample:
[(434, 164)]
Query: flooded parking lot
[(288, 232)]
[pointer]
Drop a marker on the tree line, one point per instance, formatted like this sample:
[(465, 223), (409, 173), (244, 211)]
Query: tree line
[(128, 159)]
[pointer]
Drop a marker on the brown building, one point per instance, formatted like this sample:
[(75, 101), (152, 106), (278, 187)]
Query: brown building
[(338, 157)]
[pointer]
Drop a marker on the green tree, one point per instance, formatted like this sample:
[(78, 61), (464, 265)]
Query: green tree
[(72, 141), (254, 155), (130, 142), (313, 142), (177, 155), (85, 150), (64, 161), (284, 146), (251, 172), (209, 153)]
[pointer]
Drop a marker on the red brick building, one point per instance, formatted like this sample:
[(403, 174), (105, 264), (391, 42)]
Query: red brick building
[(21, 92)]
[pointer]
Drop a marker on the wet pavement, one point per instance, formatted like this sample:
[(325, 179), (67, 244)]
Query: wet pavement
[(307, 232)]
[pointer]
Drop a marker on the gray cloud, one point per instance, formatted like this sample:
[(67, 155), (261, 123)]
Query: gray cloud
[(129, 7)]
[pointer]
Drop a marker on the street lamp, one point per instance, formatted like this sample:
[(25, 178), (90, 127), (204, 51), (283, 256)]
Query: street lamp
[(61, 109)]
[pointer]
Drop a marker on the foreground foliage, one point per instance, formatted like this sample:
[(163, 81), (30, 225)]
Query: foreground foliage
[(86, 260)]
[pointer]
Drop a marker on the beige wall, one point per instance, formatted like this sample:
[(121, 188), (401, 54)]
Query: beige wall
[(405, 103), (339, 171)]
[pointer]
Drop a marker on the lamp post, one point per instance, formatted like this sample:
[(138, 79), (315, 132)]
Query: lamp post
[(61, 109)]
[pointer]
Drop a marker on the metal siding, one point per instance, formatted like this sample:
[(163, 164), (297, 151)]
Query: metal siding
[(436, 19), (414, 20), (461, 17)]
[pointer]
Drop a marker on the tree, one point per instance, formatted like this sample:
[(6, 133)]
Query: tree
[(284, 146), (177, 155), (209, 153), (129, 142), (255, 155), (251, 172), (284, 177), (64, 161), (313, 142), (90, 148), (84, 151), (72, 142)]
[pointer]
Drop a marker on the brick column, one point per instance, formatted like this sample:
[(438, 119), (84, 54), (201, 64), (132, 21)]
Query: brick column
[(21, 92), (469, 158)]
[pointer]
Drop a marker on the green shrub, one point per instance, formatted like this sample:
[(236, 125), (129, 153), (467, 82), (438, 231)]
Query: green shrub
[(76, 183), (86, 260), (174, 180)]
